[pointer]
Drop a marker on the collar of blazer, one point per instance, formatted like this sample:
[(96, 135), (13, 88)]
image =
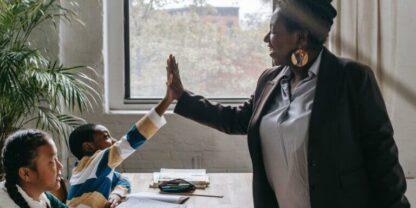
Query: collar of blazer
[(325, 103), (323, 110), (265, 95), (325, 95)]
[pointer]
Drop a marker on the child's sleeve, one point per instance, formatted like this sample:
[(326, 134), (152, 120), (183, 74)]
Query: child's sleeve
[(142, 131), (120, 185)]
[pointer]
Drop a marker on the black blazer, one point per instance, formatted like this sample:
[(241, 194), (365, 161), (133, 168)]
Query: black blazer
[(352, 157)]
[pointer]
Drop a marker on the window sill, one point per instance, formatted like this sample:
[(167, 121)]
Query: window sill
[(141, 107), (134, 112)]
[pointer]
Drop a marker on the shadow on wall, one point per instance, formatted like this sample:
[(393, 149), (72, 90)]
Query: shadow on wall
[(404, 91), (387, 78)]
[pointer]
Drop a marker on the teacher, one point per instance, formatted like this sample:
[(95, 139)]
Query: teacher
[(317, 127)]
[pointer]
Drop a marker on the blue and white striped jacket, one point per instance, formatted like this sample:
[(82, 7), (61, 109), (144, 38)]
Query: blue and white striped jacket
[(94, 178)]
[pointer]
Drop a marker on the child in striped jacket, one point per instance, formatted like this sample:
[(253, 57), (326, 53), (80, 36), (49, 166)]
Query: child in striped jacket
[(94, 182)]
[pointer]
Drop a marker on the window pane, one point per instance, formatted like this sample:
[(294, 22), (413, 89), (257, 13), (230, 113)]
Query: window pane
[(217, 43)]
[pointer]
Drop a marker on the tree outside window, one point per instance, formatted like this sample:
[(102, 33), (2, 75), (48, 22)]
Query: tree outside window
[(218, 44)]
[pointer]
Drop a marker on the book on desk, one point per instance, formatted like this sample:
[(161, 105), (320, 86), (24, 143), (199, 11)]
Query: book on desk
[(198, 177)]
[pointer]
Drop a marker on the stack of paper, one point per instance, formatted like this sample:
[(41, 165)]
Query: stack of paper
[(149, 203), (176, 199), (198, 177), (154, 200)]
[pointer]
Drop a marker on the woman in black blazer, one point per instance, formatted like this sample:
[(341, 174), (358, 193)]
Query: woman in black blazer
[(351, 159)]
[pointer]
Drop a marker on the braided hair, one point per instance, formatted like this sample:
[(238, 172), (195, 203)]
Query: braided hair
[(20, 150)]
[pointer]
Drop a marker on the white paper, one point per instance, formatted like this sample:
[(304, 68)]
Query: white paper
[(158, 197), (149, 203), (193, 171), (196, 176)]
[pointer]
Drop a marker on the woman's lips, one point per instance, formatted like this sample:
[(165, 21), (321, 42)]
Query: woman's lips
[(271, 51)]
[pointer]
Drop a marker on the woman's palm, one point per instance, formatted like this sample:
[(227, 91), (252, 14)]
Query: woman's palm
[(174, 83)]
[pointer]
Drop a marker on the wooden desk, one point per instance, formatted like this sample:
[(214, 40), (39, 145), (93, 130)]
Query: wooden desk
[(235, 187)]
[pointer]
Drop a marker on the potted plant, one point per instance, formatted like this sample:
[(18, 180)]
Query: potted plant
[(33, 89)]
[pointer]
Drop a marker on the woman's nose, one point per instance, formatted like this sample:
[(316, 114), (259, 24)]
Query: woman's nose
[(266, 38)]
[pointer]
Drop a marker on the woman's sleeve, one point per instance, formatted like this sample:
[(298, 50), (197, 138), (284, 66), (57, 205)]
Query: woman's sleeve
[(228, 119), (379, 148)]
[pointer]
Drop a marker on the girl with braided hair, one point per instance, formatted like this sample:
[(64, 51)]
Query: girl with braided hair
[(32, 169)]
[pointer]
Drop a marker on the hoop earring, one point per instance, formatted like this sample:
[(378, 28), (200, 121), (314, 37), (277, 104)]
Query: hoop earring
[(299, 58)]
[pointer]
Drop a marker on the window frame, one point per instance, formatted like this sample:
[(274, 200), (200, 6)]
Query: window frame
[(116, 56)]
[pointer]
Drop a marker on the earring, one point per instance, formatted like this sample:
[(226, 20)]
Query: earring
[(299, 58)]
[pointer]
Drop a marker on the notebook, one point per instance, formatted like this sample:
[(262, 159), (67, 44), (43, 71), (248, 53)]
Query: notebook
[(154, 200), (149, 203)]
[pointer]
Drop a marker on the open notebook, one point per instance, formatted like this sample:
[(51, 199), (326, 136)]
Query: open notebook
[(154, 200)]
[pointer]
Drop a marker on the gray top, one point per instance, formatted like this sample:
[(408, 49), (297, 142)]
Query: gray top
[(284, 139)]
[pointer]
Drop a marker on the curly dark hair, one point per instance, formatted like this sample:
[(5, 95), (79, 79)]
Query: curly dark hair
[(83, 133), (20, 150)]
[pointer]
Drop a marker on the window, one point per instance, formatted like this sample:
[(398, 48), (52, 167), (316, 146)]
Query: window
[(217, 43)]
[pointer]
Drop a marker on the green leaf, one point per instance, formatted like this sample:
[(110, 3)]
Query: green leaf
[(33, 89)]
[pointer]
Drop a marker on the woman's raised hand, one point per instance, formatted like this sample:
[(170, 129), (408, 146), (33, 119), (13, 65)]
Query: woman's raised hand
[(173, 83)]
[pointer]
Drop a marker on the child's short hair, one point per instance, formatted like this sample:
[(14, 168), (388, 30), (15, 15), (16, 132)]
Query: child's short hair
[(83, 133)]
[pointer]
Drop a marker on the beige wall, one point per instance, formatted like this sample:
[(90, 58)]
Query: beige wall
[(402, 105), (185, 144), (181, 143)]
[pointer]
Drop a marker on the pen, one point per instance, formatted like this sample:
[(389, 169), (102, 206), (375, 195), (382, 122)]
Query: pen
[(192, 194)]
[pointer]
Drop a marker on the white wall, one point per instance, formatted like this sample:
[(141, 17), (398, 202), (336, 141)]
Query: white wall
[(181, 143), (185, 144), (403, 101)]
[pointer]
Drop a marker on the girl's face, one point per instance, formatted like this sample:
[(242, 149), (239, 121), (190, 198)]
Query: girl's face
[(46, 176)]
